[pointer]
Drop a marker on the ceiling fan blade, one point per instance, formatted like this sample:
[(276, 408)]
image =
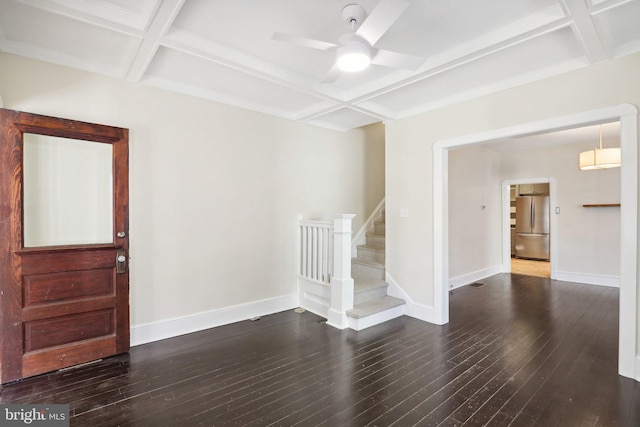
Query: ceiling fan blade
[(381, 19), (332, 75), (388, 58), (304, 42)]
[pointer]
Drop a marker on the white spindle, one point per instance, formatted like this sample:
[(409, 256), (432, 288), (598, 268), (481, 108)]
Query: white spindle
[(316, 250)]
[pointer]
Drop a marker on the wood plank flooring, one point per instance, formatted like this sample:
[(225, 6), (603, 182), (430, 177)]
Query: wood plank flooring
[(530, 267), (519, 350)]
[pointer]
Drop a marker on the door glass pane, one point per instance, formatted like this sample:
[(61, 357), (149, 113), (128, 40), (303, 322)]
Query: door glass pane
[(68, 197)]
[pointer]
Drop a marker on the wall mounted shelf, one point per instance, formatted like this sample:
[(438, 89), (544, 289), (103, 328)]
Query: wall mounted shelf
[(602, 205)]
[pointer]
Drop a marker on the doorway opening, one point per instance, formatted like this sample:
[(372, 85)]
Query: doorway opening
[(628, 306), (529, 226)]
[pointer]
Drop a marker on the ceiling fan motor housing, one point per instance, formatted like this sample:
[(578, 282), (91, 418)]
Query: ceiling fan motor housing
[(353, 14)]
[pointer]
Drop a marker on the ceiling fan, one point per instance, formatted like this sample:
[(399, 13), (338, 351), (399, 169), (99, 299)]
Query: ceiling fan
[(356, 50)]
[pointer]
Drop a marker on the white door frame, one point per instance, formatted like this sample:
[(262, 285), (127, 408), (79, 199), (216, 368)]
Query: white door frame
[(506, 223), (627, 115)]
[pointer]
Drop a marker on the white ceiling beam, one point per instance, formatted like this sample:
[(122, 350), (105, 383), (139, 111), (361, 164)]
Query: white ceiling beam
[(208, 50), (160, 24), (586, 31), (127, 26)]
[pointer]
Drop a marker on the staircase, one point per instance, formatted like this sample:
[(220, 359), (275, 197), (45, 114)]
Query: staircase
[(372, 305)]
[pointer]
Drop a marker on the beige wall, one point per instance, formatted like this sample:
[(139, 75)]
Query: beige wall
[(588, 240), (475, 213), (409, 161), (215, 190)]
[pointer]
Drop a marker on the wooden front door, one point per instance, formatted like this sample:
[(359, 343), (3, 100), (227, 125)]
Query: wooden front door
[(64, 243)]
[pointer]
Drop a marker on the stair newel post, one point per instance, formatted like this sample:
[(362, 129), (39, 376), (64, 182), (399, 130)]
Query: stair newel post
[(341, 280)]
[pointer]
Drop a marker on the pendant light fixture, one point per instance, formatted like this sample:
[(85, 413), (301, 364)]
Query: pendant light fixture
[(600, 158)]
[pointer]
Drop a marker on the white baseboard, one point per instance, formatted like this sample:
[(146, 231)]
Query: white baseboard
[(589, 279), (412, 309), (163, 329), (474, 276)]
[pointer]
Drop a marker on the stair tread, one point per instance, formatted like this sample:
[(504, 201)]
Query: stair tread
[(377, 248), (373, 233), (368, 263), (376, 306), (363, 283)]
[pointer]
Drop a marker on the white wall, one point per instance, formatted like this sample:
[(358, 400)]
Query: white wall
[(409, 149), (588, 239), (475, 214), (214, 190)]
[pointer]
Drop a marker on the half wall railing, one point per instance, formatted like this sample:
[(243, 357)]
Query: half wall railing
[(325, 259)]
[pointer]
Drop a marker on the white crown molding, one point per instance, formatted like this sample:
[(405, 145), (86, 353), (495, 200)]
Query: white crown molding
[(544, 22), (522, 79), (210, 95), (209, 50), (62, 59), (107, 16)]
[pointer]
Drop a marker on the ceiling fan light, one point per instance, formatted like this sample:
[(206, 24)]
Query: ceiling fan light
[(353, 57)]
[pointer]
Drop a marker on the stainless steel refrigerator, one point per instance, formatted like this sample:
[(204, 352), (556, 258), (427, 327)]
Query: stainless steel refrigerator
[(532, 227)]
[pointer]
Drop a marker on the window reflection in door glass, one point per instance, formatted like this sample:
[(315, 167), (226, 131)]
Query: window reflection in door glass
[(68, 197)]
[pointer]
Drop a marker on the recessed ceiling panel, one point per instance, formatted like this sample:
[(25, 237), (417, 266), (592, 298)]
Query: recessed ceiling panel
[(248, 25), (504, 68), (431, 27), (199, 77), (47, 36), (620, 27), (344, 119), (135, 14)]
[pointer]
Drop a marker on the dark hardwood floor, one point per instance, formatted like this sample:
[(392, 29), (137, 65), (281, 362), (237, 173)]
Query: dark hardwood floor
[(519, 350)]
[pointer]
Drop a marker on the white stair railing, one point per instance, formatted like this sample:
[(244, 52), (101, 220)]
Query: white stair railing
[(325, 258), (316, 250)]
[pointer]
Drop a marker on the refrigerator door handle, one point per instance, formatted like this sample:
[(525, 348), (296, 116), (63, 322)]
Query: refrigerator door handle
[(533, 212)]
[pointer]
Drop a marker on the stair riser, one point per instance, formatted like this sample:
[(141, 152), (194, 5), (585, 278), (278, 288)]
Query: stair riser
[(374, 240), (360, 270), (379, 227), (371, 255), (370, 295)]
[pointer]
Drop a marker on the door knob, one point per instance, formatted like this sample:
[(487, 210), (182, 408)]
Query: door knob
[(121, 262)]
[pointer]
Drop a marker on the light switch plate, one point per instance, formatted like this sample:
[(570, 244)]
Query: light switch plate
[(404, 212)]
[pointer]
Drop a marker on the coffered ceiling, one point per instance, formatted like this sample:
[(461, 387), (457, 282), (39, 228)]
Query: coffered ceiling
[(222, 50)]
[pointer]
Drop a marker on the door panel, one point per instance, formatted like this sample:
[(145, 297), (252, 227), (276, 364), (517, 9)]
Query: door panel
[(532, 246), (523, 214), (66, 304), (68, 197), (540, 215)]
